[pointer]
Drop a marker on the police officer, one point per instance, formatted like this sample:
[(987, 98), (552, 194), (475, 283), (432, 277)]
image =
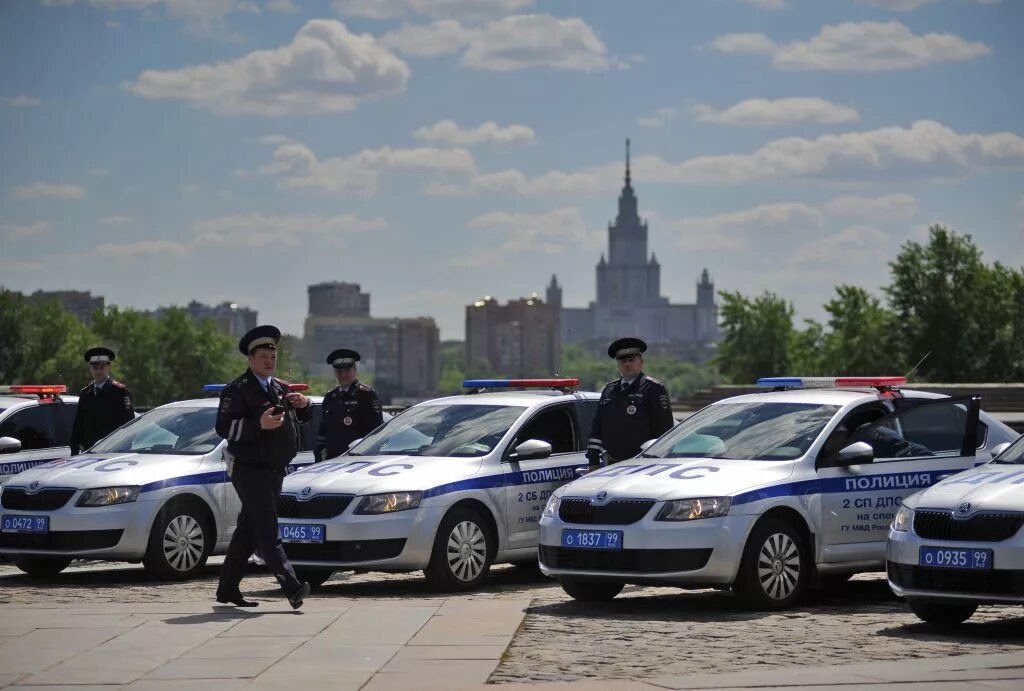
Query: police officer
[(633, 408), (103, 406), (260, 419), (351, 410)]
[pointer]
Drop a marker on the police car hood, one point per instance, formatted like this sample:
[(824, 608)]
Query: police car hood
[(989, 487), (374, 474), (107, 470), (674, 478)]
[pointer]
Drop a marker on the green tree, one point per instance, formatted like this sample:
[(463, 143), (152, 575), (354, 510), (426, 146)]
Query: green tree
[(756, 337), (54, 341), (862, 338), (14, 319)]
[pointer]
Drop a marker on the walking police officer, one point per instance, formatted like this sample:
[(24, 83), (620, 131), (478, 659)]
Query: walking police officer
[(103, 405), (633, 408), (351, 410), (260, 419)]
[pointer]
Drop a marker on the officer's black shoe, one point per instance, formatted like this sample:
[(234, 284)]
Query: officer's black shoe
[(296, 597), (236, 598)]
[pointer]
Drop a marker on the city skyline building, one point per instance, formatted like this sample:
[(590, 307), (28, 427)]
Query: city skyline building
[(518, 339)]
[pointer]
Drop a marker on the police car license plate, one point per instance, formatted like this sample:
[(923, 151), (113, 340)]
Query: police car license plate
[(946, 558), (300, 532), (592, 539), (13, 523)]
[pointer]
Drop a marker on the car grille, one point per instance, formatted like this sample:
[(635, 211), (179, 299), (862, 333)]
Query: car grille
[(319, 506), (617, 512), (43, 500), (994, 582), (345, 551), (985, 527), (636, 560), (72, 541)]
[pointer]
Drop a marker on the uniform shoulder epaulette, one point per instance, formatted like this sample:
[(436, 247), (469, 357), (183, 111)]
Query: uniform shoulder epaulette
[(239, 380), (118, 384), (654, 381), (364, 387), (85, 389)]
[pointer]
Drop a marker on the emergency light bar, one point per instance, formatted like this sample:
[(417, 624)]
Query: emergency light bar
[(221, 387), (40, 389), (519, 383), (830, 382)]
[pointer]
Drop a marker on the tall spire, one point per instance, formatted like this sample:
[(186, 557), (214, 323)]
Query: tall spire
[(627, 163)]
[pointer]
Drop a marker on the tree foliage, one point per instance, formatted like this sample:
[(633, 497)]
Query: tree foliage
[(757, 336)]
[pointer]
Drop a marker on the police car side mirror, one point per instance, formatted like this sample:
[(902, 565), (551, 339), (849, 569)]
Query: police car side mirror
[(856, 453), (999, 448), (9, 445), (531, 449)]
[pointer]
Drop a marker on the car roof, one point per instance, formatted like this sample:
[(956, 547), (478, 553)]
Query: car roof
[(839, 397), (14, 400), (513, 398)]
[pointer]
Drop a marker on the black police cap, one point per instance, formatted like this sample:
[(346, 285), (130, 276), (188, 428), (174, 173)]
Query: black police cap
[(266, 336), (99, 355), (343, 358), (626, 346)]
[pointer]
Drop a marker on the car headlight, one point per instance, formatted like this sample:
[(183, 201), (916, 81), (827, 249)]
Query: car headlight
[(551, 508), (108, 496), (692, 509), (904, 519), (389, 503)]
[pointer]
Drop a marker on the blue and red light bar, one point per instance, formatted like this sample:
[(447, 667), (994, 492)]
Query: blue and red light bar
[(220, 387), (519, 383), (831, 382)]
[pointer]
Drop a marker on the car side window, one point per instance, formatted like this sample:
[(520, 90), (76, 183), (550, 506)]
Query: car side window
[(553, 425), (935, 428), (585, 412), (65, 419), (33, 427), (842, 435)]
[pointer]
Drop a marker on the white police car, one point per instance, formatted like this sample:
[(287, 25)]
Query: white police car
[(35, 425), (959, 544), (155, 490), (451, 486), (763, 492)]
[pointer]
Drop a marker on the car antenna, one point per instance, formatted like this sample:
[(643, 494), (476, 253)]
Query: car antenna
[(914, 368)]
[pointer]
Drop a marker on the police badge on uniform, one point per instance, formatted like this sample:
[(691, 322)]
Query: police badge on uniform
[(347, 421), (631, 409)]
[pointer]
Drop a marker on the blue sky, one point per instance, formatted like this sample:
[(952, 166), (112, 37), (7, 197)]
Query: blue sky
[(436, 151)]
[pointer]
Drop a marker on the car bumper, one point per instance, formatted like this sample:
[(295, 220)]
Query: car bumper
[(402, 541), (699, 553), (909, 579)]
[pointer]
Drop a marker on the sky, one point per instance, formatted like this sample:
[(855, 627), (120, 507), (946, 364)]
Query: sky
[(439, 151)]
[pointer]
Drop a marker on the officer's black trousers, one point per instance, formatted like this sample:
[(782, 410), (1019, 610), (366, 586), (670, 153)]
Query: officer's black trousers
[(258, 489)]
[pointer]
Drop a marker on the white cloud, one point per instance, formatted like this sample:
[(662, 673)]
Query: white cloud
[(247, 7), (325, 69), (857, 47), (552, 232), (257, 230), (285, 6), (117, 220), (866, 244), (19, 101), (911, 5), (737, 230), (658, 118), (449, 133), (50, 190), (890, 206), (552, 183), (139, 249), (201, 17), (783, 111), (767, 4), (358, 174), (11, 231), (395, 9), (510, 43)]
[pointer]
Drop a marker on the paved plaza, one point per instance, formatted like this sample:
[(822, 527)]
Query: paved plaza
[(107, 626)]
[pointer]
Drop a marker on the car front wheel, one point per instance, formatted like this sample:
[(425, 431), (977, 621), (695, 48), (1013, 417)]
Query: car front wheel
[(463, 551), (943, 614), (179, 543), (41, 567), (774, 569)]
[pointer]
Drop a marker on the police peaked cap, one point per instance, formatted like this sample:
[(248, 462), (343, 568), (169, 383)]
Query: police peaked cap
[(99, 355), (266, 336), (342, 358), (626, 346)]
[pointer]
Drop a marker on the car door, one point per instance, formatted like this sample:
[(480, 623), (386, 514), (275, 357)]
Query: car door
[(36, 427), (922, 442), (529, 483)]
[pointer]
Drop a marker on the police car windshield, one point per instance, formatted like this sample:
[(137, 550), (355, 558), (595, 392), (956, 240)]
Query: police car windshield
[(441, 430), (1014, 454), (174, 430), (759, 431)]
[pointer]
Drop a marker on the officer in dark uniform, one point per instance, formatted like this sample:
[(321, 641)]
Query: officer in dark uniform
[(633, 408), (103, 406), (351, 410), (260, 419)]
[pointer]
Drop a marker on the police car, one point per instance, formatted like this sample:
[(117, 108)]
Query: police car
[(763, 493), (451, 486), (35, 425), (959, 544), (156, 490)]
